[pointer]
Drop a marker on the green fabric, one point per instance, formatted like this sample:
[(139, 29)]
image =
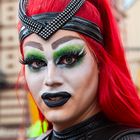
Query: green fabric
[(36, 129)]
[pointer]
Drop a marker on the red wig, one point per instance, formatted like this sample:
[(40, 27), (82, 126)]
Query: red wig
[(117, 95)]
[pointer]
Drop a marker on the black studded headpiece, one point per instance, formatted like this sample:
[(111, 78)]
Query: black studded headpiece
[(46, 24)]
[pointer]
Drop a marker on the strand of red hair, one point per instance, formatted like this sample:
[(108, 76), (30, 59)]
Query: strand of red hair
[(118, 97)]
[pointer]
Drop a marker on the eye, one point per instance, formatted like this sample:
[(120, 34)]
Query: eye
[(33, 63), (68, 60), (37, 64)]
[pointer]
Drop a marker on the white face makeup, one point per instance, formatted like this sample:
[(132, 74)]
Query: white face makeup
[(63, 72)]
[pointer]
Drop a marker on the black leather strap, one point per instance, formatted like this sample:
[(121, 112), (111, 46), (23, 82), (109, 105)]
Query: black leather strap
[(55, 24), (75, 24)]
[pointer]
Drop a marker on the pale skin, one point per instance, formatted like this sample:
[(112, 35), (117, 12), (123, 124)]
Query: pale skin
[(79, 79)]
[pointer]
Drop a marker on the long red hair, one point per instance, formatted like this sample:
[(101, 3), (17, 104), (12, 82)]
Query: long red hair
[(117, 94)]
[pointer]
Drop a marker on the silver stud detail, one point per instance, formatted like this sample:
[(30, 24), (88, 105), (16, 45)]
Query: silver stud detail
[(55, 24)]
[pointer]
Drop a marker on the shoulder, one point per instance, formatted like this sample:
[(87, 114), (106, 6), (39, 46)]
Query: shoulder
[(130, 137), (116, 131), (129, 134)]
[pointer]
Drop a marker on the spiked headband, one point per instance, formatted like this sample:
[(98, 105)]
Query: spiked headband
[(45, 25)]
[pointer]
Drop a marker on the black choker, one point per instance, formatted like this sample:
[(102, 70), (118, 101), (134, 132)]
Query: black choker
[(45, 25)]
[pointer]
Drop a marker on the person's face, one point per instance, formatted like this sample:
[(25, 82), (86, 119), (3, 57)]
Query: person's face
[(62, 76)]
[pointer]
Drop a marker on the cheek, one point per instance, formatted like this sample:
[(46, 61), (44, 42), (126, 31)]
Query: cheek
[(34, 81), (81, 76), (85, 87)]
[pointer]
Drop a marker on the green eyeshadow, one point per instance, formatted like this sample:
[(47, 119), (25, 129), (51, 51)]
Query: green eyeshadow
[(35, 54), (69, 53), (69, 48)]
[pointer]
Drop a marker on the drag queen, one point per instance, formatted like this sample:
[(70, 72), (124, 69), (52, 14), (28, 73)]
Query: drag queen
[(74, 67)]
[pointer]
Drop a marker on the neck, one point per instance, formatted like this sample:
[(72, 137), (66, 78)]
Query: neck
[(86, 128), (91, 111)]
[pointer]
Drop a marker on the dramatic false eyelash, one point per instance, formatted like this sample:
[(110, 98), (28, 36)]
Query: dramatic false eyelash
[(22, 61), (77, 54), (71, 52), (29, 61)]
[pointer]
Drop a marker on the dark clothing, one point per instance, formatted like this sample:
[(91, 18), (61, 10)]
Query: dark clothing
[(97, 127)]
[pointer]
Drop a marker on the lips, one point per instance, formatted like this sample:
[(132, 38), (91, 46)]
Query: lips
[(55, 99)]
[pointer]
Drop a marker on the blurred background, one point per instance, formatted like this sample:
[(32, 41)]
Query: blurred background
[(18, 114)]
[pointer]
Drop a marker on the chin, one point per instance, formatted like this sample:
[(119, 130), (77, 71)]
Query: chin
[(56, 116), (62, 118)]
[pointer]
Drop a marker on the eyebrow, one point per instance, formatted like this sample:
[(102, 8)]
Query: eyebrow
[(63, 40), (34, 44)]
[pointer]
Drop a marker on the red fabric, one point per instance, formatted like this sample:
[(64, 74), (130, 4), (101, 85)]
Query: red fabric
[(117, 94)]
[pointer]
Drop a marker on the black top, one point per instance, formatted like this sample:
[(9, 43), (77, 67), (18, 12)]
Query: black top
[(97, 127)]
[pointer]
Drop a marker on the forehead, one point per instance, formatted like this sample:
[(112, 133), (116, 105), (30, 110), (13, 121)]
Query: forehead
[(59, 37)]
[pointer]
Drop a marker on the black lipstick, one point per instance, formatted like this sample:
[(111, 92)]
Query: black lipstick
[(55, 99)]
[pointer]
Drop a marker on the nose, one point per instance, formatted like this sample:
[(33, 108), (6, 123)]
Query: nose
[(53, 76)]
